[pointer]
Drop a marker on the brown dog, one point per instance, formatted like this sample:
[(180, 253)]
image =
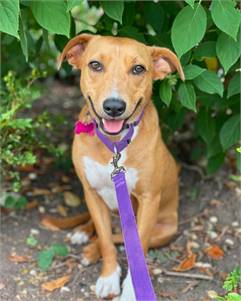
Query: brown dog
[(116, 82)]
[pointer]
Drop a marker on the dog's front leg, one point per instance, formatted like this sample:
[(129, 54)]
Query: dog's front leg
[(108, 284), (147, 214)]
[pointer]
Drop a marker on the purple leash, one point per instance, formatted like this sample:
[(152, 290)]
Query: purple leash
[(139, 272)]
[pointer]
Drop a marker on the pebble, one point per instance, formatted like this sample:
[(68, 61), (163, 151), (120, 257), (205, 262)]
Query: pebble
[(160, 280), (41, 209), (92, 288), (239, 230), (193, 236), (34, 231), (33, 272), (82, 290), (235, 224), (213, 219), (205, 265), (32, 176), (229, 242), (64, 289), (195, 245), (157, 271), (212, 294), (212, 234)]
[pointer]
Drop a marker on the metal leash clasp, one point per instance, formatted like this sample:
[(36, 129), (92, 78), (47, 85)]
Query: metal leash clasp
[(115, 159)]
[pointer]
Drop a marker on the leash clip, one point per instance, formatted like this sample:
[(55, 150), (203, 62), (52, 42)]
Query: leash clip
[(117, 169)]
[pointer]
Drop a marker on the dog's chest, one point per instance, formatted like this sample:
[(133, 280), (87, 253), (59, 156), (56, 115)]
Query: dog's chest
[(99, 178)]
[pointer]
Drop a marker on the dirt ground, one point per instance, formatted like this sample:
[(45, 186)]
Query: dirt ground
[(209, 215)]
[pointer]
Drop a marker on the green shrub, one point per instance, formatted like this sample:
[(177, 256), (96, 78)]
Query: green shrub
[(232, 286), (204, 34), (21, 136)]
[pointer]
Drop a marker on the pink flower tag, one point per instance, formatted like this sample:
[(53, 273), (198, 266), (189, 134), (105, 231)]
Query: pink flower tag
[(88, 128)]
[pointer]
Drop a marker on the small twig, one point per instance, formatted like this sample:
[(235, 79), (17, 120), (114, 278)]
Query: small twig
[(225, 229), (196, 169), (187, 275)]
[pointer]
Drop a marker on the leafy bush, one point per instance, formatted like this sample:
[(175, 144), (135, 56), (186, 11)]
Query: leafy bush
[(20, 137), (232, 286), (204, 34)]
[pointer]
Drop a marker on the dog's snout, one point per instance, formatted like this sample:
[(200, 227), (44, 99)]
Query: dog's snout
[(114, 107)]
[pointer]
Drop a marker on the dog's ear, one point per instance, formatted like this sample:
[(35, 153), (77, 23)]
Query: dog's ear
[(74, 49), (165, 62)]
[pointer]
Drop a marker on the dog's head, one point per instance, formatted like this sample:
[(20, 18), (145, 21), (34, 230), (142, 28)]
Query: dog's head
[(116, 75)]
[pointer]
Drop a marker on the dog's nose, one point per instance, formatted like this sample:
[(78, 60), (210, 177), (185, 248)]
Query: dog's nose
[(114, 107)]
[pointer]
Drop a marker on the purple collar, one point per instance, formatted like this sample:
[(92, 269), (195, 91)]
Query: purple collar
[(117, 147)]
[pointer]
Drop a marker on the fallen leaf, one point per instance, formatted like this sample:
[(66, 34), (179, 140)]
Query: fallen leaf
[(33, 204), (49, 224), (40, 191), (71, 199), (19, 258), (71, 264), (187, 264), (167, 294), (55, 284), (215, 252), (62, 210)]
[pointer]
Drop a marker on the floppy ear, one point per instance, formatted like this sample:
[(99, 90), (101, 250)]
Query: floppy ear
[(165, 62), (74, 49)]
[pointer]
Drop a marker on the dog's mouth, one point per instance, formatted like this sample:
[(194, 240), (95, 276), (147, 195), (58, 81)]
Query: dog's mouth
[(113, 126)]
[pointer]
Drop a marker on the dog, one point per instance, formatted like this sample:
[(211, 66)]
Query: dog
[(116, 82)]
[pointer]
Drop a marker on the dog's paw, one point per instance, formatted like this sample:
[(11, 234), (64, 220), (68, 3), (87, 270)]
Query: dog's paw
[(78, 237), (109, 286), (128, 290)]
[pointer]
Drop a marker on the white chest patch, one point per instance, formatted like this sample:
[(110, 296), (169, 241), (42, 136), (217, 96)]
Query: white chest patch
[(99, 178)]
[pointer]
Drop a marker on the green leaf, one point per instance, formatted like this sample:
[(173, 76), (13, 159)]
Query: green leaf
[(215, 162), (188, 28), (187, 96), (238, 162), (214, 147), (52, 15), (113, 9), (21, 202), (206, 125), (31, 241), (9, 17), (131, 32), (234, 85), (154, 15), (205, 50), (209, 82), (226, 17), (233, 297), (60, 249), (230, 132), (228, 51), (23, 38), (190, 2), (192, 71), (165, 92), (9, 201), (72, 3), (45, 259)]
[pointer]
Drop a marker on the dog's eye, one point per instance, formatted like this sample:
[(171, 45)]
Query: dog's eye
[(96, 66), (138, 69)]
